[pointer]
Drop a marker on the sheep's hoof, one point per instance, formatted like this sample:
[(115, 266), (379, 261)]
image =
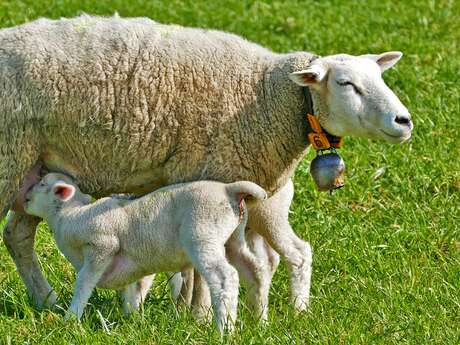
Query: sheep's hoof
[(202, 314), (301, 305), (70, 316)]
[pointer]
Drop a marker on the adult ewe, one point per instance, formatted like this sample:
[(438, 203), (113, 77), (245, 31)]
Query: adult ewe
[(130, 105)]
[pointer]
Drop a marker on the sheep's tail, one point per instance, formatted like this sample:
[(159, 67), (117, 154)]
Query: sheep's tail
[(244, 190)]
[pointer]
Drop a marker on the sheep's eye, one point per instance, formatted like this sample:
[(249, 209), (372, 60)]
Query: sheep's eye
[(346, 83)]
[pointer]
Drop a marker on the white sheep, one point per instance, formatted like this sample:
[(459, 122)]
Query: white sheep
[(130, 105), (114, 242)]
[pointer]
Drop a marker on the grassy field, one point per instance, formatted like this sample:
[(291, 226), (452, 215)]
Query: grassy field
[(386, 247)]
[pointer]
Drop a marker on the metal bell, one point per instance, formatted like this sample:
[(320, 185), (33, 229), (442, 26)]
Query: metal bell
[(327, 170)]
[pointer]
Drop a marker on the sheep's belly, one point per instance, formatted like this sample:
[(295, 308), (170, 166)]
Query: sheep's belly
[(100, 174)]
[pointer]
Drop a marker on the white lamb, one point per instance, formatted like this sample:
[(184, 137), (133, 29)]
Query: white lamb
[(114, 242)]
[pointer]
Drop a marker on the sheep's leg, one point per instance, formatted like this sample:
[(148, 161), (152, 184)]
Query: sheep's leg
[(222, 280), (19, 153), (134, 294), (298, 256), (19, 238), (94, 266), (270, 219), (252, 270), (264, 252), (201, 299)]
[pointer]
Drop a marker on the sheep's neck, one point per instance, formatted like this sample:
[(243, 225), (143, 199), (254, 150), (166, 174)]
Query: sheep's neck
[(279, 134)]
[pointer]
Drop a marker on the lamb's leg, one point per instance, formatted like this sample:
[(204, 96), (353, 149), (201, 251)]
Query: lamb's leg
[(94, 266), (255, 266), (201, 299), (134, 294), (251, 268), (19, 238), (189, 288), (175, 284), (270, 219), (222, 280), (181, 284)]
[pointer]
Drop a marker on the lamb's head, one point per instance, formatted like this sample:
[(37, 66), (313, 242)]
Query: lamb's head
[(351, 98), (51, 193)]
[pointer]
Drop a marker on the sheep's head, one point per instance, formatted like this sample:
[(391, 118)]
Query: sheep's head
[(51, 193), (351, 98)]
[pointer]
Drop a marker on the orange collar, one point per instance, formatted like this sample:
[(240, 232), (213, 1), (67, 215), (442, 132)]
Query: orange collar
[(320, 139)]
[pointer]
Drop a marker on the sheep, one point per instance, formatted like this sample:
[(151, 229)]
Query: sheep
[(131, 105), (114, 242)]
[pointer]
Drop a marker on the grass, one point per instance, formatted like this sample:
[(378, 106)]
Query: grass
[(386, 248)]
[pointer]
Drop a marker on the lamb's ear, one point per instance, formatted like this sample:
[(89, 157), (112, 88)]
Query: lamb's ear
[(63, 191), (310, 76), (385, 60)]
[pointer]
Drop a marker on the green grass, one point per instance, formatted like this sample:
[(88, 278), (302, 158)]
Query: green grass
[(386, 249)]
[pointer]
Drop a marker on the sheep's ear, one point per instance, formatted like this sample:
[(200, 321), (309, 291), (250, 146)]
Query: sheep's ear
[(310, 76), (385, 60), (63, 191)]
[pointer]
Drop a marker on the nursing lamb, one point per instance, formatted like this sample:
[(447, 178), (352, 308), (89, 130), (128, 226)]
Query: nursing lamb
[(114, 242), (130, 105)]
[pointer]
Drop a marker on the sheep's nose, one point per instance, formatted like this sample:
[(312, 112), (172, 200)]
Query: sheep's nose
[(404, 120)]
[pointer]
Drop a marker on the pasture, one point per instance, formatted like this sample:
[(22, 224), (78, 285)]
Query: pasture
[(386, 266)]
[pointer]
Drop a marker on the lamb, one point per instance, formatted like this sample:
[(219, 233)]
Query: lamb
[(114, 242), (131, 105), (188, 287)]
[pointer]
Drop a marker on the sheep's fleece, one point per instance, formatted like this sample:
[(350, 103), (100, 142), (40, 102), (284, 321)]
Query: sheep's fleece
[(130, 105), (192, 103), (114, 242)]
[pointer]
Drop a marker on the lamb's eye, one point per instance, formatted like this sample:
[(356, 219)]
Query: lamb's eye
[(349, 83)]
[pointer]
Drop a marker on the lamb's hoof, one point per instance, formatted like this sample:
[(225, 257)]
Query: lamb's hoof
[(263, 319), (45, 302)]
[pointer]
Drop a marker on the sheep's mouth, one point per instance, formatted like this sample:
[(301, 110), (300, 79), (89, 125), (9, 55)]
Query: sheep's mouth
[(391, 135), (397, 138)]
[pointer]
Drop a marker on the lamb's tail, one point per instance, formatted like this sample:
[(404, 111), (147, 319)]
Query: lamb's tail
[(244, 190)]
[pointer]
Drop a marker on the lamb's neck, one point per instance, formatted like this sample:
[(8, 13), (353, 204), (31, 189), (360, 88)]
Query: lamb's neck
[(280, 124), (60, 214)]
